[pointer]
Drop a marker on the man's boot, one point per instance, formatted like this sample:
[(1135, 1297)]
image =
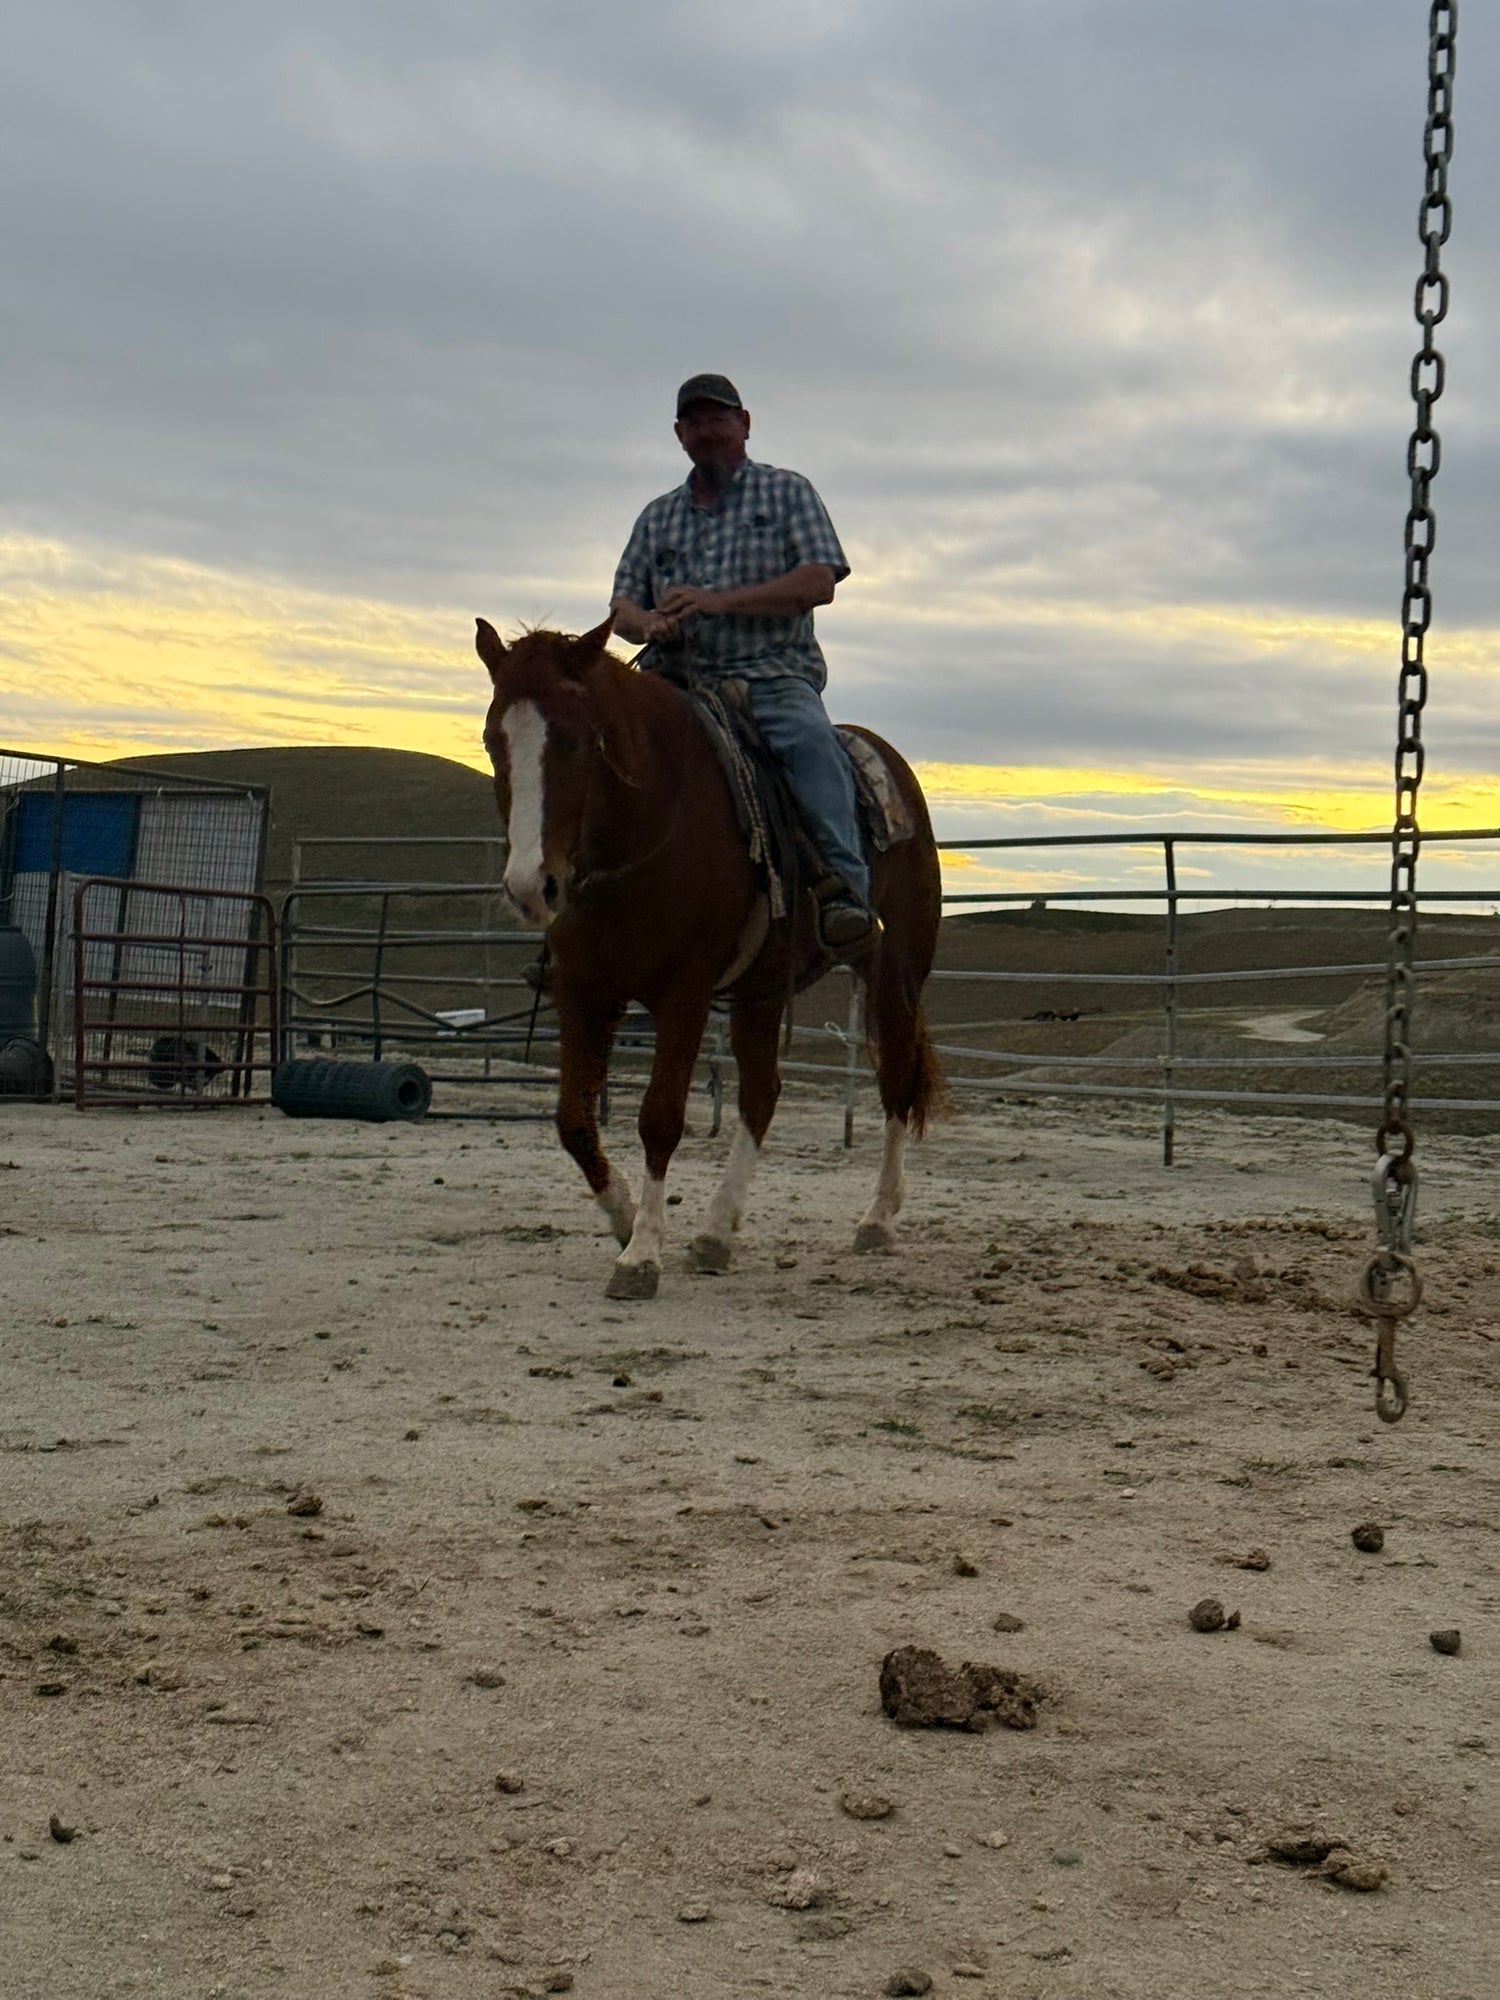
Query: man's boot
[(847, 927)]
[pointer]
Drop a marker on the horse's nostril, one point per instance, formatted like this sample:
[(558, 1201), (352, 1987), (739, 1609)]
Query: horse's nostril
[(549, 892)]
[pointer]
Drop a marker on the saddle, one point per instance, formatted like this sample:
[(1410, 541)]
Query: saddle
[(771, 822)]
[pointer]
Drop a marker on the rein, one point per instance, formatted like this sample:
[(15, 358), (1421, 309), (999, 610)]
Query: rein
[(595, 878)]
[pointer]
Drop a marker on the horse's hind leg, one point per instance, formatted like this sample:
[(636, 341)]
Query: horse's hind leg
[(877, 1226), (679, 1031), (583, 1062), (753, 1035), (909, 1079)]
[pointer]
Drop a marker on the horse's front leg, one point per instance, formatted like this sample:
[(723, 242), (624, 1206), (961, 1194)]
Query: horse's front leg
[(754, 1032), (679, 1031), (586, 1034)]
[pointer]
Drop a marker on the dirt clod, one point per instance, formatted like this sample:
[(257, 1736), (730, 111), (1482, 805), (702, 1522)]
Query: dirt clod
[(1208, 1615), (1351, 1873), (866, 1805), (1445, 1642), (1256, 1559), (919, 1690), (1005, 1621), (965, 1565), (509, 1782), (306, 1503), (1369, 1537), (798, 1891), (487, 1677), (694, 1913), (1303, 1850), (63, 1835), (909, 1981)]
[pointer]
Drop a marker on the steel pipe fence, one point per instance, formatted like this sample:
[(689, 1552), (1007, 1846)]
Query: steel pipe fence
[(370, 963)]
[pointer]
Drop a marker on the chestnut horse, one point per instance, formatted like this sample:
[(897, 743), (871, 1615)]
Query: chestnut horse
[(623, 845)]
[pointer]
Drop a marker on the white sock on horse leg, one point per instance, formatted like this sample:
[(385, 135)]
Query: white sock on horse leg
[(728, 1204), (618, 1204), (649, 1232), (876, 1226)]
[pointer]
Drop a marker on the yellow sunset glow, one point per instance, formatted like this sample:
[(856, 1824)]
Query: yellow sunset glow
[(113, 656)]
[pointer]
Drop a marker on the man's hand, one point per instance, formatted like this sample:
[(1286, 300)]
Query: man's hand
[(656, 625), (682, 600), (634, 623)]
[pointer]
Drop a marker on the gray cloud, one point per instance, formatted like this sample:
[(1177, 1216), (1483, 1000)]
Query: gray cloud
[(1104, 301)]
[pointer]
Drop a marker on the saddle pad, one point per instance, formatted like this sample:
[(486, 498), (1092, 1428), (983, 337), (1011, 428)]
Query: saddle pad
[(887, 814)]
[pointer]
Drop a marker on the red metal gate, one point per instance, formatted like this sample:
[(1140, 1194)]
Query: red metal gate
[(175, 995)]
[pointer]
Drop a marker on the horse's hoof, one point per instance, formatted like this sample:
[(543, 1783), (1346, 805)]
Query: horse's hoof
[(875, 1236), (708, 1253), (633, 1281)]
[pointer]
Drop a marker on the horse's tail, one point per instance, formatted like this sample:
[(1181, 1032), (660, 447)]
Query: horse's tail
[(931, 1097), (912, 1084)]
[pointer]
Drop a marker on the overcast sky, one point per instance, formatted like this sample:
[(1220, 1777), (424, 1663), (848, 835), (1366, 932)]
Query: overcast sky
[(330, 324)]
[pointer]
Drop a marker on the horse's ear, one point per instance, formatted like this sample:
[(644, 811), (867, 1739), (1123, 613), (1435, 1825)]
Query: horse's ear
[(583, 651), (488, 645)]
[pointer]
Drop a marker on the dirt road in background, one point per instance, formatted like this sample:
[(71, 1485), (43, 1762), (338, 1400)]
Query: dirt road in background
[(385, 1614)]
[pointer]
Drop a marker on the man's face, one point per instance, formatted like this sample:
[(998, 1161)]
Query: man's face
[(712, 434)]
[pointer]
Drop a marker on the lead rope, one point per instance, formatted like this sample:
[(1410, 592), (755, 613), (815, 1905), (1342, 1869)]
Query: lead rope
[(1391, 1287)]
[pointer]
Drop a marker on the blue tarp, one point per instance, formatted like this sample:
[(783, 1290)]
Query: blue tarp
[(98, 833)]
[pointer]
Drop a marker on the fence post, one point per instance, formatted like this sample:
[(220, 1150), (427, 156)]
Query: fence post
[(377, 974), (49, 937), (1169, 1025), (851, 1058)]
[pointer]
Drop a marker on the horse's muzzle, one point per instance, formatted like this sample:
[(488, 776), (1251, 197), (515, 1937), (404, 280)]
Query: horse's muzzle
[(536, 899)]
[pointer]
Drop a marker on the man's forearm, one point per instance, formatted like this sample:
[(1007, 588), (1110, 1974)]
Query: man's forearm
[(801, 589)]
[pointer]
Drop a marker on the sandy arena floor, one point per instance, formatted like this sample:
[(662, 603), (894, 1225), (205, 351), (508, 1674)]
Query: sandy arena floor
[(641, 1563)]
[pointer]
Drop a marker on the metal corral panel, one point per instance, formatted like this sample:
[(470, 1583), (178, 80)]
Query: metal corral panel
[(203, 843)]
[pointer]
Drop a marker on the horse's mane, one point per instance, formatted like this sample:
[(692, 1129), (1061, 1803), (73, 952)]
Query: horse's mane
[(549, 635)]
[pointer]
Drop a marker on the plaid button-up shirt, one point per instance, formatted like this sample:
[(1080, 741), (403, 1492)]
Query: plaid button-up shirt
[(767, 523)]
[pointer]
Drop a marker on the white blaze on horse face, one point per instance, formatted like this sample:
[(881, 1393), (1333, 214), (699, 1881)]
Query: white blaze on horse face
[(525, 733)]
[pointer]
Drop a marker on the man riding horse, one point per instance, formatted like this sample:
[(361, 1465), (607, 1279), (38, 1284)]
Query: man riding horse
[(719, 581)]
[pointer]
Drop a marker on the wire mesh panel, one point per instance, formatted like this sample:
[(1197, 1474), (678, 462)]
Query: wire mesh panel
[(175, 995)]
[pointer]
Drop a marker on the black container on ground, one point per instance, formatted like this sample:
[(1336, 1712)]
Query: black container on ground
[(17, 986)]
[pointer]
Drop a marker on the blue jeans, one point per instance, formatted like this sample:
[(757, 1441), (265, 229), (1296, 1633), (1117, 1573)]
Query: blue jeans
[(797, 731)]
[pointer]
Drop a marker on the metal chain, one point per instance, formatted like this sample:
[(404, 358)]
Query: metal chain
[(1391, 1286)]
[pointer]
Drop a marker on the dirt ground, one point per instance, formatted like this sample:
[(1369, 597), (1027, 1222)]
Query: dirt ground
[(641, 1564)]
